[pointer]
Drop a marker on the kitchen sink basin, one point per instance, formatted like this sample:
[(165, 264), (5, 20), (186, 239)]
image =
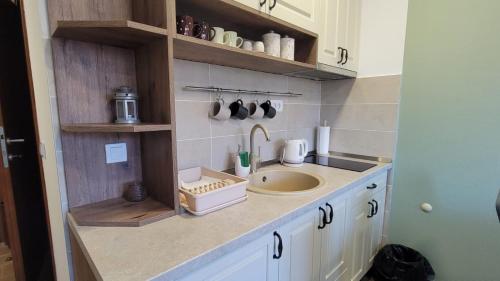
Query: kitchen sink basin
[(283, 182)]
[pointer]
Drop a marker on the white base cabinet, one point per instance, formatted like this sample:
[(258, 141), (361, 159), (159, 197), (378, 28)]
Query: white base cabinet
[(336, 241)]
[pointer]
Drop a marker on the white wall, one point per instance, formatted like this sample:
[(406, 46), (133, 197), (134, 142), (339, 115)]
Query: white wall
[(382, 37)]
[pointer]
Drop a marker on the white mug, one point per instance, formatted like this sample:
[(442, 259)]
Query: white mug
[(219, 111), (258, 46), (247, 45), (255, 111), (272, 43), (231, 39), (217, 34)]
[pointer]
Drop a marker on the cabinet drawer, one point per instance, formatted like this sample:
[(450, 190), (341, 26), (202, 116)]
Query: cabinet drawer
[(370, 187)]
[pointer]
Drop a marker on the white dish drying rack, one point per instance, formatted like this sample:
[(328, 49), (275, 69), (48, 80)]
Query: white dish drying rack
[(203, 190)]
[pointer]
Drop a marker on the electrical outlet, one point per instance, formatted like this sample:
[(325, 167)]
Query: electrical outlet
[(278, 105), (116, 153)]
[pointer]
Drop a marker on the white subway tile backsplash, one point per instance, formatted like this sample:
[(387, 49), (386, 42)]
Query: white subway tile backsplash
[(188, 73), (372, 143), (310, 90), (303, 116)]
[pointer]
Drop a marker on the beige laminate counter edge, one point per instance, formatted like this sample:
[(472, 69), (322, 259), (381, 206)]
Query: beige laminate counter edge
[(171, 248)]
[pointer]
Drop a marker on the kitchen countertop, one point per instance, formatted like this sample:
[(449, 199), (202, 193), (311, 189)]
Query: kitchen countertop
[(171, 248)]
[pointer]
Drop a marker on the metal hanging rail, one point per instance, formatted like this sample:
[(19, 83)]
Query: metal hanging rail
[(239, 91)]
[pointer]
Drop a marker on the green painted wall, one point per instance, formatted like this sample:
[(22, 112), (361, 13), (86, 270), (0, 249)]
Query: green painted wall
[(448, 150)]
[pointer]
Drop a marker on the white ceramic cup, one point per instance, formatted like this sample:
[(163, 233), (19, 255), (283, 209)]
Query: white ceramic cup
[(272, 43), (258, 46), (255, 111), (217, 35), (247, 45), (231, 39), (219, 111)]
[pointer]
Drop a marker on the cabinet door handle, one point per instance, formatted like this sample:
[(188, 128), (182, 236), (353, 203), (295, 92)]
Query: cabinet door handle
[(280, 246), (272, 5), (376, 207), (371, 210), (323, 219), (346, 56), (262, 3), (331, 213), (341, 54), (373, 186)]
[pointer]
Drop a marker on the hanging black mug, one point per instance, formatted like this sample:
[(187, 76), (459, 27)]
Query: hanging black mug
[(269, 110), (238, 110)]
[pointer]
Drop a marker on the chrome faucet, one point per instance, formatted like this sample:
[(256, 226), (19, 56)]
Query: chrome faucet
[(254, 159)]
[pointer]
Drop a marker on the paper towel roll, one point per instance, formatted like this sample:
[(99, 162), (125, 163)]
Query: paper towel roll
[(323, 143)]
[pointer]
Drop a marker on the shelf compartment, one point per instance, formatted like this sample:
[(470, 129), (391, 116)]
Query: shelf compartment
[(120, 33), (114, 128), (119, 212), (193, 49)]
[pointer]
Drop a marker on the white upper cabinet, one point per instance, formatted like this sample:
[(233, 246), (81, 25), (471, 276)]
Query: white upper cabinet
[(334, 241), (301, 238), (339, 28), (260, 5), (303, 13)]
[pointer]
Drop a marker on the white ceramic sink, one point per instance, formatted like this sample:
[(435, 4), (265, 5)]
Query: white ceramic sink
[(283, 182)]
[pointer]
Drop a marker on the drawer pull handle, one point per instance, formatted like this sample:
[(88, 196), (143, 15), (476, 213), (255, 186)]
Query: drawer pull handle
[(373, 186), (371, 210), (331, 214), (376, 207), (262, 3), (280, 246), (323, 218)]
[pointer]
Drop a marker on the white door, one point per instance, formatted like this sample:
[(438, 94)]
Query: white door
[(375, 227), (300, 259), (249, 263), (259, 5), (358, 234), (303, 13), (329, 32), (334, 242), (351, 11)]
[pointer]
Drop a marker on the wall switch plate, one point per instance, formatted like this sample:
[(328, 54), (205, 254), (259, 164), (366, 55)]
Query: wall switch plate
[(116, 153), (278, 105)]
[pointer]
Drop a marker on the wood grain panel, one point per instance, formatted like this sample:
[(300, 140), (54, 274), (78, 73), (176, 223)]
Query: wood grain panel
[(88, 178), (121, 33), (152, 12), (89, 10), (119, 212), (81, 267), (189, 48), (86, 76), (114, 128)]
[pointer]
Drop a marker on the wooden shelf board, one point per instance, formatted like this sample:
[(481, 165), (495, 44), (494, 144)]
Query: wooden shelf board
[(121, 33), (193, 49), (119, 212), (114, 128)]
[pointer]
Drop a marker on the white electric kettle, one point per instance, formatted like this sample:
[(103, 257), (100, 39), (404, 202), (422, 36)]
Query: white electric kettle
[(294, 152)]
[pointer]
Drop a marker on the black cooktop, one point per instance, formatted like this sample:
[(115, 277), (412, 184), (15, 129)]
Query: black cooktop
[(338, 163)]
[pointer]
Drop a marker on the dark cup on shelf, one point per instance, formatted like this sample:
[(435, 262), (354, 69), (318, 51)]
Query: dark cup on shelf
[(238, 110), (185, 25), (203, 30), (269, 110)]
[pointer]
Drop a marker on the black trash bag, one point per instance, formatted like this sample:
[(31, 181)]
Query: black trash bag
[(399, 263)]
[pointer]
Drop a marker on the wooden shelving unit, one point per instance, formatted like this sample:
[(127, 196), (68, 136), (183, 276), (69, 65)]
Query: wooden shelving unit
[(189, 48), (120, 33), (118, 212), (97, 47), (114, 128)]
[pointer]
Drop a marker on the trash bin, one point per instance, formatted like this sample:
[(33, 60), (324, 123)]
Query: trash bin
[(399, 263)]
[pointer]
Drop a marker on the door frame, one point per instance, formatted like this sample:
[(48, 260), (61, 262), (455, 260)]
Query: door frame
[(13, 231)]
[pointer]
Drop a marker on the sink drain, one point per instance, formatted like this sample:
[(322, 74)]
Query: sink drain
[(264, 179)]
